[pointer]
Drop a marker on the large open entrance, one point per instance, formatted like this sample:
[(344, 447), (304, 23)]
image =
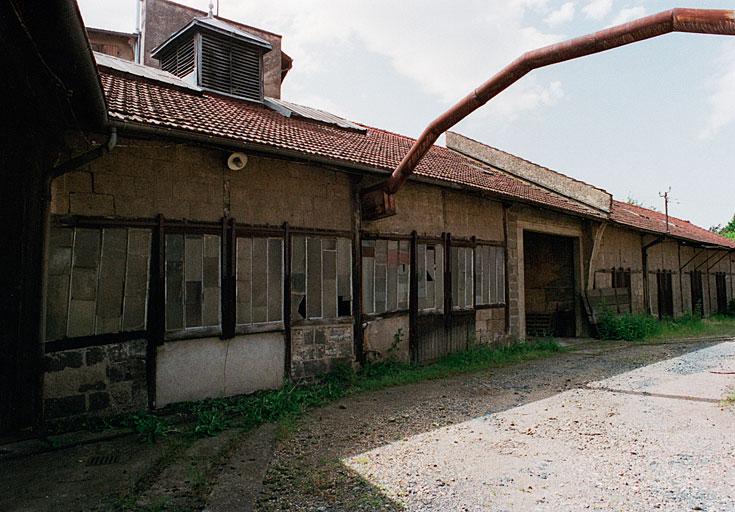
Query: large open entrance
[(549, 285)]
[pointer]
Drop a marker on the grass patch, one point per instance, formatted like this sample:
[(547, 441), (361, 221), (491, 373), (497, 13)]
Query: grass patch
[(286, 404), (632, 327)]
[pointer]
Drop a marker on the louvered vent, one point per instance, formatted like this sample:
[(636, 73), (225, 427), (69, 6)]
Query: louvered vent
[(179, 60), (232, 67)]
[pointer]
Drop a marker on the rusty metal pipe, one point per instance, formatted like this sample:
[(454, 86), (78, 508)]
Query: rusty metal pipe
[(699, 21)]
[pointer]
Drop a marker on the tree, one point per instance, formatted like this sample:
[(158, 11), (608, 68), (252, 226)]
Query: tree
[(728, 230)]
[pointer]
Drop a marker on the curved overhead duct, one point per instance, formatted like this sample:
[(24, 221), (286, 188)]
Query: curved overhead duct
[(377, 201)]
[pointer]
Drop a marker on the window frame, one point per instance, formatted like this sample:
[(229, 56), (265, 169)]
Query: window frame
[(401, 307), (267, 326), (500, 284), (184, 229), (440, 250), (307, 235), (101, 226)]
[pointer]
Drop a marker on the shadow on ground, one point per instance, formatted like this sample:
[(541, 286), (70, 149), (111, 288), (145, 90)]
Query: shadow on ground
[(305, 471)]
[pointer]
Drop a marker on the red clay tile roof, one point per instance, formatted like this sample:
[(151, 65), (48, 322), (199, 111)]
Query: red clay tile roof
[(653, 221), (133, 99)]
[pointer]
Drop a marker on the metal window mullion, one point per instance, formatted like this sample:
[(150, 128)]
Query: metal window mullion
[(99, 268), (125, 280), (71, 278)]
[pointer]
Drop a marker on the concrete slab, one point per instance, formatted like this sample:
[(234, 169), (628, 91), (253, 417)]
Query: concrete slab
[(579, 450)]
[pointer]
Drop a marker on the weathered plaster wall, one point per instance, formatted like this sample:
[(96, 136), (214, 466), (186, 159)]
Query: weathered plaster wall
[(211, 367), (387, 337), (144, 179), (432, 211), (620, 248), (108, 379)]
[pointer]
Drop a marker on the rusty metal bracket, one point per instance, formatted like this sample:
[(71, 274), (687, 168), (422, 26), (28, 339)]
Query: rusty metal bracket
[(700, 21)]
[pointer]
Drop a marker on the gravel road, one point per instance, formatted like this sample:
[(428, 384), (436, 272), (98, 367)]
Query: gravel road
[(605, 427)]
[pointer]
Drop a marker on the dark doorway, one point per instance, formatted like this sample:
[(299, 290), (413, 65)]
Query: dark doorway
[(721, 287), (665, 294), (697, 293), (549, 285)]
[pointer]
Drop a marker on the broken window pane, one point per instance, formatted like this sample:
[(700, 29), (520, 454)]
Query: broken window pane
[(298, 278), (429, 273), (97, 281), (344, 277), (385, 278), (321, 277), (404, 260), (313, 278)]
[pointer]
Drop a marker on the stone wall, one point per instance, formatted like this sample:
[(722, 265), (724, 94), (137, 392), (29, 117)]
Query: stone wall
[(106, 380), (490, 326), (316, 349)]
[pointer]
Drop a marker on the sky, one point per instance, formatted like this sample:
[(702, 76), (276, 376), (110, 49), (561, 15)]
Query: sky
[(635, 121)]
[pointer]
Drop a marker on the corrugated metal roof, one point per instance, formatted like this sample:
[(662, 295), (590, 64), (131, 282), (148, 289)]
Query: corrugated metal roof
[(289, 109), (132, 68)]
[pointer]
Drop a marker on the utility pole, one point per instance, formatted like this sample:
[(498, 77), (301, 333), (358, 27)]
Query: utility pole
[(665, 195)]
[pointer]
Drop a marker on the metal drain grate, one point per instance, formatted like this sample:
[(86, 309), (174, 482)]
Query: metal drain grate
[(103, 459)]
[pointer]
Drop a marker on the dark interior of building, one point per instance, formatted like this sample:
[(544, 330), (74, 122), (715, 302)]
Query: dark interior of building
[(549, 285)]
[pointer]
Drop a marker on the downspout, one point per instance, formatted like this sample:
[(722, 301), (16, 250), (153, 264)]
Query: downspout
[(377, 201), (59, 170)]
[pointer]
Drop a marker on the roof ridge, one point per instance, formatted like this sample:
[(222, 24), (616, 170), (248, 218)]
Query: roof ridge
[(535, 164)]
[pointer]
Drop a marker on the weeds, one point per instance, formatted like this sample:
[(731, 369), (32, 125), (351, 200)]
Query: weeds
[(286, 404), (210, 421), (149, 426), (636, 327)]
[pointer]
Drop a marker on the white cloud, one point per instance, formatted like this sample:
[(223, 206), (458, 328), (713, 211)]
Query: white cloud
[(444, 50), (628, 14), (445, 60), (563, 14), (597, 9), (721, 87)]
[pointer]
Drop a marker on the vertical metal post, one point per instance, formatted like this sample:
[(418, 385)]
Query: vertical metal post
[(156, 306), (228, 284), (413, 302), (357, 274), (505, 263), (287, 299)]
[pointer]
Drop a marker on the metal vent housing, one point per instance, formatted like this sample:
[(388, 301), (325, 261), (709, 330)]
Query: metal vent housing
[(216, 56)]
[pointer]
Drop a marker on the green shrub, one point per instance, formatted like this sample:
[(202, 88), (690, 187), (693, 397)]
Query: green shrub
[(731, 308), (628, 327)]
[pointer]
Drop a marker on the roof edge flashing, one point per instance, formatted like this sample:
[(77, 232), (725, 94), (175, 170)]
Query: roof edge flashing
[(551, 180)]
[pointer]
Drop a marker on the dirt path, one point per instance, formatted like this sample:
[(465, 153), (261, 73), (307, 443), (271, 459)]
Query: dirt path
[(413, 447)]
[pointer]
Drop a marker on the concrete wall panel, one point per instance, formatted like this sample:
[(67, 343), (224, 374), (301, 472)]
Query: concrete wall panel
[(210, 368)]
